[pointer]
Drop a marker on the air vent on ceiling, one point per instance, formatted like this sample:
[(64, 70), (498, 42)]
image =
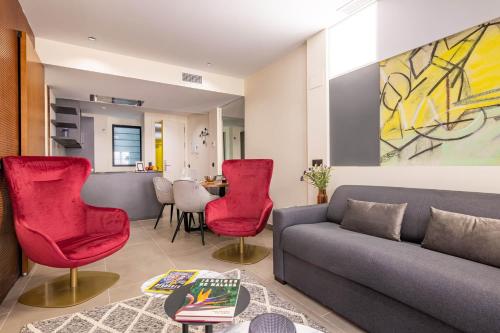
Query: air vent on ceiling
[(351, 7), (115, 100), (193, 78)]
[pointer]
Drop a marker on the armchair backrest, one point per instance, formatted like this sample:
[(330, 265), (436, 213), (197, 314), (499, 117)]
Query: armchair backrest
[(249, 182), (45, 194)]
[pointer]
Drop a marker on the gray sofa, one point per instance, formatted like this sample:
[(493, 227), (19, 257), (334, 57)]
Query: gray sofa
[(383, 285)]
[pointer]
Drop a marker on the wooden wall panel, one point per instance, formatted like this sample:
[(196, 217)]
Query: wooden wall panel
[(9, 145), (12, 20), (32, 100)]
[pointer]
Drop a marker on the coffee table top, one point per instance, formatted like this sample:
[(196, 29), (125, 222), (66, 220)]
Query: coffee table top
[(176, 300), (244, 326)]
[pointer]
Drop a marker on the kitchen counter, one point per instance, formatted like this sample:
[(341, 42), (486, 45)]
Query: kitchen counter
[(128, 190)]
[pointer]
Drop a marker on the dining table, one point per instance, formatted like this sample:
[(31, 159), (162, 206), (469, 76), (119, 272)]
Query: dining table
[(219, 185)]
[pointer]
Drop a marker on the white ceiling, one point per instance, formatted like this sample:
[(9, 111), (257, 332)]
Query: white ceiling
[(158, 97), (237, 36)]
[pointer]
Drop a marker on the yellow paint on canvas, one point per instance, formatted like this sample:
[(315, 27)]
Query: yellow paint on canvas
[(412, 101)]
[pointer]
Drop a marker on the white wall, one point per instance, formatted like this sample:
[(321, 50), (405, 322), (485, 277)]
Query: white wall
[(214, 142), (275, 124), (233, 141), (84, 58), (318, 115), (353, 42), (103, 142), (234, 109), (406, 24), (197, 151), (403, 25)]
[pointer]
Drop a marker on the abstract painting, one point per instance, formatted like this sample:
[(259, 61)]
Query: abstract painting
[(440, 103)]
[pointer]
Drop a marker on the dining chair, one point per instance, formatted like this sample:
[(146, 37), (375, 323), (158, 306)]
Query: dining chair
[(191, 198), (165, 195)]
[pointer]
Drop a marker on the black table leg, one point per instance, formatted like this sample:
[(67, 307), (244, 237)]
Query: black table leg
[(186, 221), (208, 329), (201, 220), (185, 328)]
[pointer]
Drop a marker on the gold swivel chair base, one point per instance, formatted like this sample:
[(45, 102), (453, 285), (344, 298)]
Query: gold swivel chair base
[(69, 289), (241, 253)]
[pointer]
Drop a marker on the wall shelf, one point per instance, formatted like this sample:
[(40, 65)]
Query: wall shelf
[(62, 124), (67, 142), (64, 109)]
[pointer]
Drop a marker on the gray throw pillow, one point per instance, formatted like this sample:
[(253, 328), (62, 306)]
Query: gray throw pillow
[(464, 236), (375, 219)]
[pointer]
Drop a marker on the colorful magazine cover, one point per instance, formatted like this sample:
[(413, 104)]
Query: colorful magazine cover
[(210, 300), (171, 280)]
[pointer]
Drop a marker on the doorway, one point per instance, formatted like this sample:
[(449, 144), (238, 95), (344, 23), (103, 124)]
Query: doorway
[(174, 144)]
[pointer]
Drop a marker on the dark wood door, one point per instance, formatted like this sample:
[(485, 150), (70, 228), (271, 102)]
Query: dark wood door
[(9, 145)]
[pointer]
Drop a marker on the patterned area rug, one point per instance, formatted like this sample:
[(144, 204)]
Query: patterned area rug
[(145, 314)]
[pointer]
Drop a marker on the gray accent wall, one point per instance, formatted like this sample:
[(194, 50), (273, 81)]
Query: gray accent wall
[(355, 117), (87, 141), (130, 191)]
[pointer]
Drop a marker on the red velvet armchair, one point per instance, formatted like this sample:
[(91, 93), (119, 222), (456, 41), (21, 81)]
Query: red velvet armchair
[(57, 229), (245, 209)]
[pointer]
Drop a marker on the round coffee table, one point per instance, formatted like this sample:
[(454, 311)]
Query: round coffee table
[(176, 300), (244, 326)]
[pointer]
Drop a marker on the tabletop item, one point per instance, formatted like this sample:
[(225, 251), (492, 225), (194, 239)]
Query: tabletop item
[(214, 184), (271, 323), (210, 179), (176, 300), (202, 273), (210, 300), (170, 281)]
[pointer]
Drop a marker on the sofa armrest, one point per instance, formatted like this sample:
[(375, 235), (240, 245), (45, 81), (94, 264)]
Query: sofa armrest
[(287, 217)]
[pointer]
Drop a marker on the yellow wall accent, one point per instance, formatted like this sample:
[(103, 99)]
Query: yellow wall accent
[(159, 146)]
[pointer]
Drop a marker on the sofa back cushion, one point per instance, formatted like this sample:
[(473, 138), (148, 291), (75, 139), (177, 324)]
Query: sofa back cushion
[(418, 211)]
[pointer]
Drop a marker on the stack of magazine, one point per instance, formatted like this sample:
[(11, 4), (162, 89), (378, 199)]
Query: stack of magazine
[(210, 300), (170, 281)]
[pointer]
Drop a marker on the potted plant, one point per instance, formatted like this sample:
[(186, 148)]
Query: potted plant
[(319, 177)]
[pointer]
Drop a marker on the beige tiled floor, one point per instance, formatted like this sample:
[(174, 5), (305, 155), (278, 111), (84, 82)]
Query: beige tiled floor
[(150, 252)]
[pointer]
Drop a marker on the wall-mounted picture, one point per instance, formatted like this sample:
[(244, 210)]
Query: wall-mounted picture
[(440, 103), (139, 166)]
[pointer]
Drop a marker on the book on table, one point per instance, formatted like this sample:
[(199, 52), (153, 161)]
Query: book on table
[(170, 281), (210, 300)]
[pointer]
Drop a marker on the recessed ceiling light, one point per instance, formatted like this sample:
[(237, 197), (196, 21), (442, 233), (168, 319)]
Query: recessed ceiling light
[(209, 64), (92, 38)]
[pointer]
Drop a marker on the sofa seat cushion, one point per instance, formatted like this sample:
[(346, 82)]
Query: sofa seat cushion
[(238, 226), (461, 293), (88, 246)]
